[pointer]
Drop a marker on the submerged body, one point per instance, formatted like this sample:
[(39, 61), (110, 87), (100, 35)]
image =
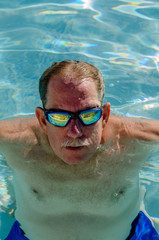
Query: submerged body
[(80, 181), (97, 199)]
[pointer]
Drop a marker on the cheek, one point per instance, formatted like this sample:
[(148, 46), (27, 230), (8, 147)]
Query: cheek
[(54, 137), (95, 134)]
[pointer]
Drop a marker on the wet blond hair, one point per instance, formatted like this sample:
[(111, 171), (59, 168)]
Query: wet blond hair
[(81, 69)]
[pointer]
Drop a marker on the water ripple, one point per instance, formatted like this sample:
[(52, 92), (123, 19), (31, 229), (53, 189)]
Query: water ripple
[(6, 188), (147, 107), (135, 8)]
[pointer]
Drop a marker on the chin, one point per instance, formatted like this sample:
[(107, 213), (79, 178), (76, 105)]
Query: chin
[(74, 161)]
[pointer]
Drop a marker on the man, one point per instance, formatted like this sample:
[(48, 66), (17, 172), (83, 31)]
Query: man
[(76, 166)]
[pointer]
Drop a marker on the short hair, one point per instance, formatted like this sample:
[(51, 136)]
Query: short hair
[(83, 69)]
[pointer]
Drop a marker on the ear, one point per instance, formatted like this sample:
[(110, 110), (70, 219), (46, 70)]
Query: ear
[(41, 118), (106, 112)]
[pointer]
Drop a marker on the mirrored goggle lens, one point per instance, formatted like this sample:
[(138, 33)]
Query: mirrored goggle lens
[(58, 119), (89, 117)]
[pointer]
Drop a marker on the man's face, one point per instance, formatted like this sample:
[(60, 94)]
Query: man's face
[(74, 143)]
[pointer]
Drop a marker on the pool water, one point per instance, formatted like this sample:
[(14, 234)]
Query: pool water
[(118, 37)]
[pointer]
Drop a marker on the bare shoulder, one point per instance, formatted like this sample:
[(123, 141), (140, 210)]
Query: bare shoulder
[(12, 127), (132, 138), (23, 143), (18, 131), (131, 128)]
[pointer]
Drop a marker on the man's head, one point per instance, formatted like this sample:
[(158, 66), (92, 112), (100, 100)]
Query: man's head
[(72, 87), (81, 69)]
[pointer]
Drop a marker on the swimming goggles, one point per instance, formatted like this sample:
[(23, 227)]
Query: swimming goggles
[(61, 118)]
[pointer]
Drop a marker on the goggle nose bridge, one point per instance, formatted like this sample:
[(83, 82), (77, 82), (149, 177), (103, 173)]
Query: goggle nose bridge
[(74, 115)]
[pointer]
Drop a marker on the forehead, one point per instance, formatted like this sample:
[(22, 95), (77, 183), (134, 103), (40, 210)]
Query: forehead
[(68, 91)]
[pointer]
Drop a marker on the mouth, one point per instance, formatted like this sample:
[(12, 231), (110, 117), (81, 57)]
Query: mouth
[(74, 148)]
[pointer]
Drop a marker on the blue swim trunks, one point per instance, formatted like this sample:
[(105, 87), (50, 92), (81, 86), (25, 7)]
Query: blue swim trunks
[(142, 229), (16, 233)]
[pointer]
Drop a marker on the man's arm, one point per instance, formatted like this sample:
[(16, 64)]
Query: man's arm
[(144, 129), (22, 142), (131, 128), (15, 131)]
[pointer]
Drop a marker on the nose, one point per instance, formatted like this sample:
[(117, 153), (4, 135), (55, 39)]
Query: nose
[(74, 128)]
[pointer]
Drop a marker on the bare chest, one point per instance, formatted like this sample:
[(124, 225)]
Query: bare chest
[(98, 189)]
